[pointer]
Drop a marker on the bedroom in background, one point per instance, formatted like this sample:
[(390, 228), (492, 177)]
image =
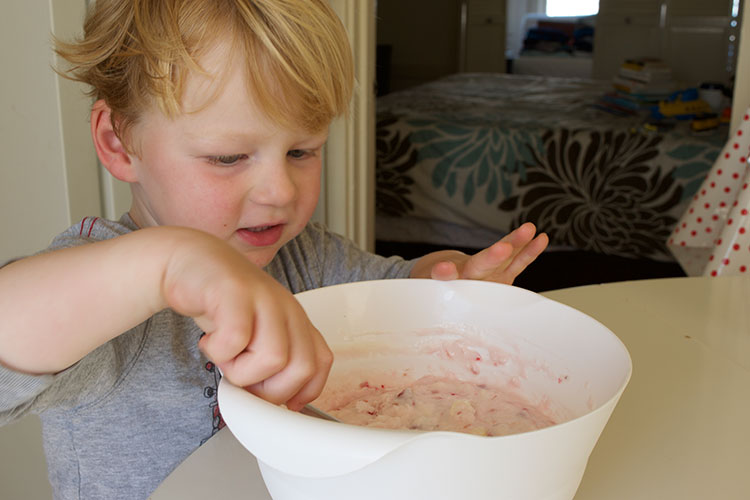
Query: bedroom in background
[(465, 153)]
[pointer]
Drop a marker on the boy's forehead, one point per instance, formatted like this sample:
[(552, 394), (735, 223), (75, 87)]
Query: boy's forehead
[(221, 86), (217, 104), (217, 69)]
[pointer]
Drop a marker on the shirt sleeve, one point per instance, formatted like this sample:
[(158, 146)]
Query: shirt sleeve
[(17, 390), (21, 393)]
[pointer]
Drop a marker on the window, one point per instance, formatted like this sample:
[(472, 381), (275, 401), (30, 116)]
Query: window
[(572, 8)]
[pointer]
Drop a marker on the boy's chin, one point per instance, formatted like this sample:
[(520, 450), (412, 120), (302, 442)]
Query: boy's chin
[(260, 257)]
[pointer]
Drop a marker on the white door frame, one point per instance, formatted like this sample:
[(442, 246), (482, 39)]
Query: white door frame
[(347, 201)]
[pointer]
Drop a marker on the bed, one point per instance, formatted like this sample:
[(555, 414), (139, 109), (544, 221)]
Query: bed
[(464, 159)]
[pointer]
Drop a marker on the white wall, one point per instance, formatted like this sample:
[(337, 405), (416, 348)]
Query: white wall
[(48, 179)]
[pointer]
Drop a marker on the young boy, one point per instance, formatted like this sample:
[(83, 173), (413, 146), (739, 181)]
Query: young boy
[(215, 112)]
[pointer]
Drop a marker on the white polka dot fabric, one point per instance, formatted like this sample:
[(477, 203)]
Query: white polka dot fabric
[(712, 237)]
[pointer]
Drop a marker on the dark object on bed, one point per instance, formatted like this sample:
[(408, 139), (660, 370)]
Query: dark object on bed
[(547, 40), (550, 37), (465, 159)]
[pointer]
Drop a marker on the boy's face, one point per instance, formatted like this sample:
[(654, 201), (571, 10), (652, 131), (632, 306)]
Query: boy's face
[(225, 169)]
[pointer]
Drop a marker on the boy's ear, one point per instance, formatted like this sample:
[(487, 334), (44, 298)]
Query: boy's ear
[(110, 149)]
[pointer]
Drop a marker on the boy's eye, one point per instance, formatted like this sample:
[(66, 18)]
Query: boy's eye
[(298, 154), (226, 160)]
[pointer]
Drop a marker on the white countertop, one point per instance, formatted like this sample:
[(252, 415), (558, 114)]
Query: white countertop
[(680, 430)]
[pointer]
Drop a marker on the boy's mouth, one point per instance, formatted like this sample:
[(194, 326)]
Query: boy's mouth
[(261, 236)]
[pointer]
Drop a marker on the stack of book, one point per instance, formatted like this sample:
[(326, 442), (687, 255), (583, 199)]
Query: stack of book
[(650, 78), (639, 85)]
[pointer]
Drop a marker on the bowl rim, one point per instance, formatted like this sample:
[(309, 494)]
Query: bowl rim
[(390, 439)]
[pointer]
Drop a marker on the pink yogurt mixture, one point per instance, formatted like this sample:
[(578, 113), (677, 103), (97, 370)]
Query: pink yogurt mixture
[(447, 399), (434, 403)]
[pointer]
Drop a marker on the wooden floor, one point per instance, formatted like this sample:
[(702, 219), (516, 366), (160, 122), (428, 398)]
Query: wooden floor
[(560, 269)]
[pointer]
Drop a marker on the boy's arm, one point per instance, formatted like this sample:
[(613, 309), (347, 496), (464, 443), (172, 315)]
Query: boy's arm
[(59, 306), (501, 262)]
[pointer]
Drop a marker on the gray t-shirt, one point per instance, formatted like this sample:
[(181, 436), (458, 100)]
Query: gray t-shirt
[(116, 423)]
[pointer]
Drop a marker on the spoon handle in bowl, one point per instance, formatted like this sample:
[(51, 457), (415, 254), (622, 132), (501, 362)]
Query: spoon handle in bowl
[(315, 412)]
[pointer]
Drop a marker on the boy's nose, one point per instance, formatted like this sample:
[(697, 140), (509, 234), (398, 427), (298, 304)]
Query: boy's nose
[(273, 184)]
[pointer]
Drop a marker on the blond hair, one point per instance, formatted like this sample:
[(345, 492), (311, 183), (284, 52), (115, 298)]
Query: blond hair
[(136, 53)]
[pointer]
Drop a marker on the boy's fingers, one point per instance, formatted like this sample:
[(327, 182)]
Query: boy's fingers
[(444, 271), (249, 352), (508, 257), (303, 365), (226, 334), (500, 255), (488, 261), (521, 235), (314, 386), (526, 257)]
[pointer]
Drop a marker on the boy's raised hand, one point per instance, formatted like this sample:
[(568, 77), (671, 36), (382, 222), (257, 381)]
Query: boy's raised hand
[(501, 262)]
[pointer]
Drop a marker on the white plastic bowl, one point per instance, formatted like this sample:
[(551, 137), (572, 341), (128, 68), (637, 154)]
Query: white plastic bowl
[(555, 352)]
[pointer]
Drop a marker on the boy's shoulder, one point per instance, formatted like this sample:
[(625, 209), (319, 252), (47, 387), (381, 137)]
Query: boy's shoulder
[(90, 229)]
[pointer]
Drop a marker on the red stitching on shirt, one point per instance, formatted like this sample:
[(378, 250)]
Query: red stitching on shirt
[(80, 231), (91, 227)]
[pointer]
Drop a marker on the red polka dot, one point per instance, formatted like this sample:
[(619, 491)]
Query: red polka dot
[(744, 186), (735, 247), (699, 220), (684, 224), (718, 242), (676, 231), (671, 241), (692, 210), (693, 233), (743, 269), (713, 273), (682, 243), (747, 117), (743, 159), (725, 262), (707, 205), (715, 217), (729, 222), (736, 146), (739, 132), (742, 230), (719, 172), (727, 189), (722, 204), (726, 155), (735, 175), (711, 258), (708, 229), (713, 184), (743, 211)]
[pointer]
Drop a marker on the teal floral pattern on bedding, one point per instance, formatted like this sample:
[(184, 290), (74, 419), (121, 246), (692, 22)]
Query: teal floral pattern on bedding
[(496, 150)]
